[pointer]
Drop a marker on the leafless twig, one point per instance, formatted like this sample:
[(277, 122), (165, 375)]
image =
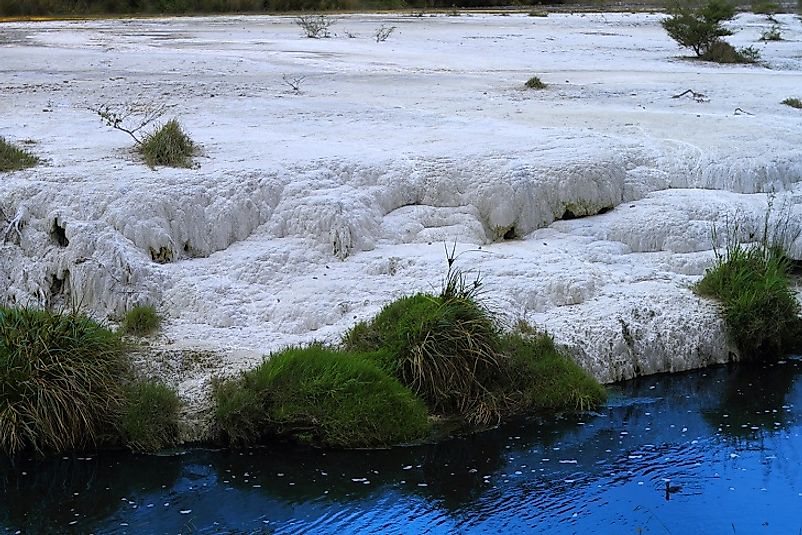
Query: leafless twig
[(294, 82), (130, 118), (698, 97)]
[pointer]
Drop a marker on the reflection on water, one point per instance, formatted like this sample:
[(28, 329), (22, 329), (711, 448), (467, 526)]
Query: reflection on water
[(727, 441)]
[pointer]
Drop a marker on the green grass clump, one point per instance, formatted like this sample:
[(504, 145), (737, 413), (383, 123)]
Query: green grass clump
[(547, 380), (450, 351), (59, 381), (444, 349), (13, 158), (168, 146), (760, 309), (141, 321), (793, 102), (320, 396), (149, 418), (535, 83)]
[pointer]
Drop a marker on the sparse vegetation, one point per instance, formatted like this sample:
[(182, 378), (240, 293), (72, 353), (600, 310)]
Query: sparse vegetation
[(149, 419), (793, 102), (60, 381), (169, 146), (320, 396), (141, 321), (315, 26), (535, 83), (13, 158), (698, 28), (383, 32), (538, 13), (752, 282), (772, 34), (764, 7)]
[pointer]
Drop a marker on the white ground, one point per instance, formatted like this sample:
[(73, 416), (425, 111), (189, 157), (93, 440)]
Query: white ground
[(309, 211)]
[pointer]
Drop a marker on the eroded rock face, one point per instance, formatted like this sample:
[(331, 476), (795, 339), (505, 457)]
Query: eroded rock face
[(588, 208)]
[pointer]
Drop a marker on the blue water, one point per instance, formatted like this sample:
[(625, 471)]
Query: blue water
[(726, 440)]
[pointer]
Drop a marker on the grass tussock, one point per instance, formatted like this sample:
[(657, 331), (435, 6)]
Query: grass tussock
[(450, 351), (723, 52), (60, 379), (319, 396), (793, 102), (141, 320), (535, 83), (149, 418), (754, 287), (168, 146), (13, 158)]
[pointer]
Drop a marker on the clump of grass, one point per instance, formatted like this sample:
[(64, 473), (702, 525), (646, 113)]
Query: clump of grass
[(793, 102), (449, 350), (320, 396), (141, 321), (60, 381), (538, 13), (13, 158), (149, 418), (723, 52), (535, 83), (168, 146), (544, 379), (753, 285)]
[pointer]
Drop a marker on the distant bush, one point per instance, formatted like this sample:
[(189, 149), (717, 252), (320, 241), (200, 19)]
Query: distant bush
[(535, 83), (168, 146), (793, 102), (764, 7), (320, 396), (315, 26), (61, 381), (723, 52), (13, 158), (760, 309), (149, 419), (140, 321), (698, 28), (772, 34)]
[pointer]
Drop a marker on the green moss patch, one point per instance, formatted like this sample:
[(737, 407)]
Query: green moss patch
[(60, 381), (320, 396), (13, 158)]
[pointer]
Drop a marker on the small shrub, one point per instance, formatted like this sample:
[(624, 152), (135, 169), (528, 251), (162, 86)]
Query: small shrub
[(753, 285), (60, 386), (793, 102), (13, 158), (535, 83), (149, 420), (698, 28), (320, 396), (723, 52), (141, 321), (538, 13), (168, 146), (772, 34), (315, 26)]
